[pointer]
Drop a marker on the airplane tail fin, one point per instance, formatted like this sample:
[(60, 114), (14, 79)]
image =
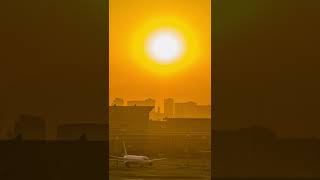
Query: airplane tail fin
[(124, 148)]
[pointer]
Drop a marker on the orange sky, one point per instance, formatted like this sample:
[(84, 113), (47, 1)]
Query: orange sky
[(132, 75)]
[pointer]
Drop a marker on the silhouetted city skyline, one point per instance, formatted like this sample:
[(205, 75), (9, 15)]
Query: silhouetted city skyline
[(168, 107)]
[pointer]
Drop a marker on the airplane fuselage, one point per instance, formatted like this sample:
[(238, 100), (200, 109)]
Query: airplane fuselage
[(136, 160), (129, 160)]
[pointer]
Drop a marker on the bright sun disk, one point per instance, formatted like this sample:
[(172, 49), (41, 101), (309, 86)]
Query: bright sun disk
[(165, 46)]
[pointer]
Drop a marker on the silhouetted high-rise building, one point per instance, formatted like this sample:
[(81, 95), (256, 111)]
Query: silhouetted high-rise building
[(118, 102), (168, 107), (30, 127)]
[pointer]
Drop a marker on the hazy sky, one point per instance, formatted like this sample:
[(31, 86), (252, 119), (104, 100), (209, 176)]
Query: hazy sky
[(134, 75)]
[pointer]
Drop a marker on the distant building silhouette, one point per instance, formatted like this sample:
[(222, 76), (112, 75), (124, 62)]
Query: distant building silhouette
[(156, 116), (146, 102), (30, 127), (187, 125), (187, 109), (203, 111), (168, 107), (129, 118), (191, 109), (118, 102)]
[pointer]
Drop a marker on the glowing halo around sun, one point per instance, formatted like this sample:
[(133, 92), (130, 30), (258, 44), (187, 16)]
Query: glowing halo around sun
[(164, 46)]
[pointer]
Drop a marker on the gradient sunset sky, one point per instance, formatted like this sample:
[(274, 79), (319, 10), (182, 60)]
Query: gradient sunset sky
[(134, 75)]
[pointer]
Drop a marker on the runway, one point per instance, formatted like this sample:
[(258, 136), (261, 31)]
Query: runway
[(175, 169)]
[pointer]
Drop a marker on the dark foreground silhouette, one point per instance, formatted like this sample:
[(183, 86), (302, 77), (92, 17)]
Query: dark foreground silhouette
[(51, 160), (256, 152), (253, 152)]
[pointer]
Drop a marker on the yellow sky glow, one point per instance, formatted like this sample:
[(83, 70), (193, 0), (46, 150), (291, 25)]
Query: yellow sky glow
[(134, 73)]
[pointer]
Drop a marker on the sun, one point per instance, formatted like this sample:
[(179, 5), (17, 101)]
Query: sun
[(165, 46)]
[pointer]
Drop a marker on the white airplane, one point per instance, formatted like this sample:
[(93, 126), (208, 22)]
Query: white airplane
[(129, 160)]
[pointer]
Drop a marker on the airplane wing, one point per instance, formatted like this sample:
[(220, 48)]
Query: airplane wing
[(159, 159), (116, 158)]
